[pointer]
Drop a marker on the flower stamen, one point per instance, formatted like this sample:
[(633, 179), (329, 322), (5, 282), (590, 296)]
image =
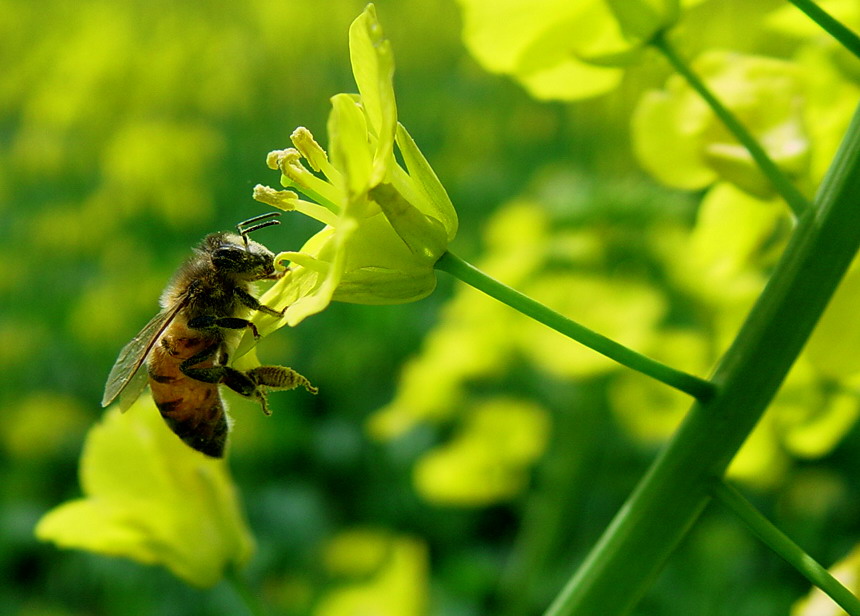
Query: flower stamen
[(289, 201)]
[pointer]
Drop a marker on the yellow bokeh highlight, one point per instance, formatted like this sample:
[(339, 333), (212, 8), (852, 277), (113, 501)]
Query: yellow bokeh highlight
[(542, 44), (357, 552), (623, 309), (810, 416), (680, 141), (489, 457), (474, 339), (391, 572), (647, 409), (834, 347)]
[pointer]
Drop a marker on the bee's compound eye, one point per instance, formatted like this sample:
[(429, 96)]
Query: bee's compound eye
[(227, 255), (224, 253)]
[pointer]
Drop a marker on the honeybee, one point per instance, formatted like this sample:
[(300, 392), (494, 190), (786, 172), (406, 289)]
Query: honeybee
[(183, 351)]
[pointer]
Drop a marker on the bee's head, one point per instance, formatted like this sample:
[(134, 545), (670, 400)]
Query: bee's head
[(235, 254)]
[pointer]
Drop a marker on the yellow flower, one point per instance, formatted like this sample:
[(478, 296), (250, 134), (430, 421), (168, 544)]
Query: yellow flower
[(564, 49), (489, 459), (151, 498), (391, 571), (680, 140), (385, 226)]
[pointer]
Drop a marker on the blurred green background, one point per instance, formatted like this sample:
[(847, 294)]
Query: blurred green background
[(129, 130)]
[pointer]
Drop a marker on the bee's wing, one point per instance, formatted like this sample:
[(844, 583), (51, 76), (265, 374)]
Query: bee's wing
[(128, 365), (133, 388)]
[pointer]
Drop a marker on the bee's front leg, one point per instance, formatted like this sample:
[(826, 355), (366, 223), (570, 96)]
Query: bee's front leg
[(207, 321), (253, 303)]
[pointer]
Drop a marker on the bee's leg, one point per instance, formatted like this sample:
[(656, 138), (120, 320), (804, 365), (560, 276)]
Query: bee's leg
[(207, 375), (252, 384), (236, 380), (256, 382), (251, 302), (206, 321), (277, 378), (200, 357)]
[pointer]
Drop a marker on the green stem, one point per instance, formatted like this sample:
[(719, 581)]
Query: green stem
[(669, 499), (245, 592), (777, 541), (792, 195), (835, 28), (692, 385)]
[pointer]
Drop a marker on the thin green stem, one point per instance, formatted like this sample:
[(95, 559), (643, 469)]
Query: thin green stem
[(245, 592), (692, 385), (792, 195), (777, 541), (835, 28), (677, 487)]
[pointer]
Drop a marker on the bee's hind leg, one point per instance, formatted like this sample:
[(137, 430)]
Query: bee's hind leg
[(265, 378), (279, 377), (234, 379), (254, 384)]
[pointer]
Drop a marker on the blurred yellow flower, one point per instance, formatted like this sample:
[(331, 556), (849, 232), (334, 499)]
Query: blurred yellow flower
[(150, 498), (563, 49), (392, 570), (679, 139), (489, 458), (735, 240), (546, 44), (807, 420), (649, 410), (811, 416), (622, 308), (386, 226), (473, 338), (834, 347)]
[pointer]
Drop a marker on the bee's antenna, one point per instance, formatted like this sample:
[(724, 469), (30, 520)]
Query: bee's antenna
[(262, 221)]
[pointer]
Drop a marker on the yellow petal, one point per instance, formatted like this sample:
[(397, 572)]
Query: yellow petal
[(151, 498)]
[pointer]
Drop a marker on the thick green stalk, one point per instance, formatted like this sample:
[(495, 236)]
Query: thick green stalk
[(669, 499), (835, 28), (457, 267), (776, 540), (787, 190)]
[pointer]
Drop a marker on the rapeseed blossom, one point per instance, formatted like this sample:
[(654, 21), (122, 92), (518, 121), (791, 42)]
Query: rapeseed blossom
[(151, 498), (385, 226)]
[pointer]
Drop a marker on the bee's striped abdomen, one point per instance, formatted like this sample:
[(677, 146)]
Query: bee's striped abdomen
[(192, 409)]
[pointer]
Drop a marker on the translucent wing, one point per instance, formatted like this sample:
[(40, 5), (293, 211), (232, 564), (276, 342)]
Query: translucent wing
[(132, 390), (128, 365)]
